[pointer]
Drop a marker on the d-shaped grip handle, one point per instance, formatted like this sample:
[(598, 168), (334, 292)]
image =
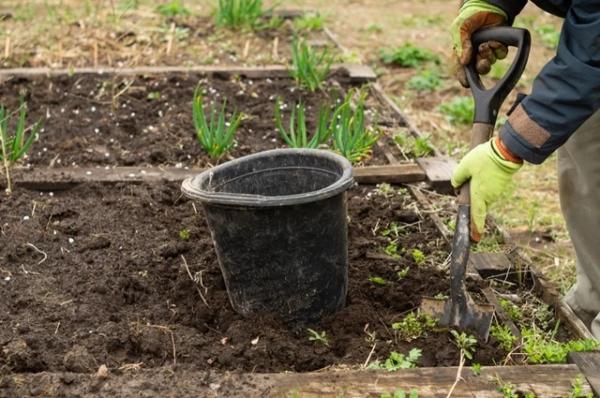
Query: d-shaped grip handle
[(488, 101)]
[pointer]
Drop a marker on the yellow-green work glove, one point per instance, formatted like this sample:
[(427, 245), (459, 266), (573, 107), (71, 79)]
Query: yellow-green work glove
[(490, 171), (475, 15)]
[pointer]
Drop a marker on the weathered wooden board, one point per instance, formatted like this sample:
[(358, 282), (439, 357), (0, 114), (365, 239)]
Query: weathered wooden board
[(589, 364), (439, 171), (55, 179), (490, 265), (356, 73), (548, 381)]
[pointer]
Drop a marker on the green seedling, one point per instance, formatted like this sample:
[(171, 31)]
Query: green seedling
[(425, 81), (514, 312), (154, 95), (378, 280), (508, 390), (418, 256), (184, 234), (351, 137), (309, 67), (317, 337), (542, 348), (577, 388), (309, 22), (394, 230), (403, 273), (401, 394), (476, 369), (413, 326), (392, 250), (296, 136), (215, 135), (465, 343), (16, 143), (407, 56), (418, 147), (237, 14), (460, 110), (397, 361), (173, 8), (504, 336), (386, 190)]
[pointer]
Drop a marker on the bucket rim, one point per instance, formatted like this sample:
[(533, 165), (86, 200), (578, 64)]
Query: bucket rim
[(191, 186)]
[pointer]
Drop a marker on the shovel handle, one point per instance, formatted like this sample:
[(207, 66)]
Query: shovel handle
[(488, 101)]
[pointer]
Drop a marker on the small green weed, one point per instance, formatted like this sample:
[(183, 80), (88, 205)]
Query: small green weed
[(514, 312), (397, 361), (401, 394), (413, 146), (238, 14), (577, 388), (427, 80), (351, 137), (309, 68), (378, 280), (407, 56), (215, 135), (504, 336), (173, 8), (403, 273), (508, 390), (394, 230), (184, 234), (413, 326), (296, 136), (465, 342), (542, 348), (392, 250), (476, 369), (309, 22), (15, 145), (153, 95), (460, 110), (317, 337), (418, 256)]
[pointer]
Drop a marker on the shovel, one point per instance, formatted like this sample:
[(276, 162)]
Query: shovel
[(460, 311)]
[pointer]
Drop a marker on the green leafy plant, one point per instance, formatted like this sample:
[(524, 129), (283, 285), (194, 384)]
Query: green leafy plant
[(394, 230), (317, 337), (414, 146), (16, 143), (514, 312), (172, 9), (542, 348), (215, 134), (476, 369), (297, 136), (377, 280), (310, 22), (403, 273), (460, 110), (397, 361), (351, 137), (392, 250), (237, 14), (418, 256), (407, 55), (309, 67), (504, 336), (577, 388), (465, 342), (413, 326), (401, 394), (184, 234), (427, 80), (508, 390)]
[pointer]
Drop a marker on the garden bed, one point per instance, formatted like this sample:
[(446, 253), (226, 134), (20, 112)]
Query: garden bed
[(98, 119), (80, 291)]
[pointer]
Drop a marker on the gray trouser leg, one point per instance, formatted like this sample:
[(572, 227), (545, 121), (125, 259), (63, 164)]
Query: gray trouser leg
[(579, 186)]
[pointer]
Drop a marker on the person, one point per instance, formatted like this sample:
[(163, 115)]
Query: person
[(561, 113)]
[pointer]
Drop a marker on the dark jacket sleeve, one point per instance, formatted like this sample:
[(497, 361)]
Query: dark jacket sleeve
[(514, 7), (565, 93)]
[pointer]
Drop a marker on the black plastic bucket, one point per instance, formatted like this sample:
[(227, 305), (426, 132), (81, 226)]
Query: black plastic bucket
[(279, 224)]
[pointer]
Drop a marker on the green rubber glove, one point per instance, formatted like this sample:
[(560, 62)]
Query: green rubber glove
[(475, 15), (490, 174)]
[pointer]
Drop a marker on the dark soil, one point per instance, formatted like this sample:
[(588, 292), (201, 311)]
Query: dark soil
[(94, 276), (96, 120)]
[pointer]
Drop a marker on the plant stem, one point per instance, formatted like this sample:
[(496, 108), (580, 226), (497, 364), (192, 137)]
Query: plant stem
[(461, 363), (5, 161)]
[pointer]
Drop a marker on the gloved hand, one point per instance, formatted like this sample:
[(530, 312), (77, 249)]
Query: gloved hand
[(475, 15), (490, 167)]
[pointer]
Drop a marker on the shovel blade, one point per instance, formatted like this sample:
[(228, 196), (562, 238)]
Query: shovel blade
[(475, 318)]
